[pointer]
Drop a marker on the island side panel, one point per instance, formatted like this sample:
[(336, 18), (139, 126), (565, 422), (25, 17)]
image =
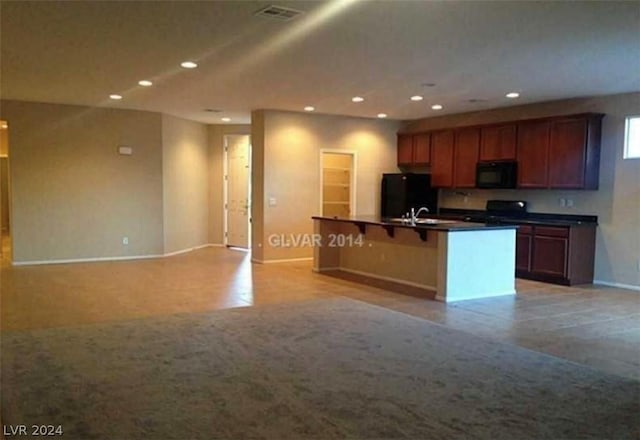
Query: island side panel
[(325, 257), (403, 258), (476, 264)]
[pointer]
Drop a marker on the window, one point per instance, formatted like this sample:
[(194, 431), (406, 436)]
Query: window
[(632, 137)]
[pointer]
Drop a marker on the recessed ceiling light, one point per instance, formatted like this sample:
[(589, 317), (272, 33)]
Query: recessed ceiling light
[(116, 97), (382, 115), (357, 99), (189, 65), (512, 95), (309, 108), (145, 83), (416, 98), (436, 107), (226, 119), (4, 126)]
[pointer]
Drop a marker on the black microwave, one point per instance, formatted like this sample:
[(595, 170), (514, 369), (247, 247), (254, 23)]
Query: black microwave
[(497, 174)]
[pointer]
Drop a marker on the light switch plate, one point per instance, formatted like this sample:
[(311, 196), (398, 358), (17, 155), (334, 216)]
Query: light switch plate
[(272, 201)]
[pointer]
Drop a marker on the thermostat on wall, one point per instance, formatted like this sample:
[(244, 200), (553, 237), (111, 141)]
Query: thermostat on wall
[(127, 151)]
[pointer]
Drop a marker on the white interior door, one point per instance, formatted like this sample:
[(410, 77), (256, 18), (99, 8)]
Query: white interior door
[(238, 190)]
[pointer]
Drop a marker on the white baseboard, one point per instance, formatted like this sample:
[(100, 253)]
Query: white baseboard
[(104, 259), (184, 251), (620, 285), (287, 260), (85, 260), (391, 279)]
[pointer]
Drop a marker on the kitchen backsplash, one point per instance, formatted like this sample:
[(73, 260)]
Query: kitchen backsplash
[(552, 201)]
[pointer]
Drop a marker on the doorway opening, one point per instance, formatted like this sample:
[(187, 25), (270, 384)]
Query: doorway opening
[(337, 183), (5, 194), (237, 191)]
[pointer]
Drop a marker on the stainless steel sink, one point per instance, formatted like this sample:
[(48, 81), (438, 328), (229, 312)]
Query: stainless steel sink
[(432, 221), (420, 221)]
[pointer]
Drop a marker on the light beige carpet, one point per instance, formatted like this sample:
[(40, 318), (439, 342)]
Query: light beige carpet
[(319, 370)]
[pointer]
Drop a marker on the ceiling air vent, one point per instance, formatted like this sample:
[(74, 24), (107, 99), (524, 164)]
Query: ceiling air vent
[(279, 13)]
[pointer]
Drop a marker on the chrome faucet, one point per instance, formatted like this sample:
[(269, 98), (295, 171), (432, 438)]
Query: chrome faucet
[(413, 215)]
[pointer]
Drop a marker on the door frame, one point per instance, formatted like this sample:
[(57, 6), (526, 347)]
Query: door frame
[(9, 214), (225, 189), (354, 167)]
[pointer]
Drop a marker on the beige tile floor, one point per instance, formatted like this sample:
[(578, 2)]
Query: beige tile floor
[(591, 325)]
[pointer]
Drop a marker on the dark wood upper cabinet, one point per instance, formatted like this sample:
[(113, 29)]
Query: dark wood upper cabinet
[(574, 152), (442, 159), (498, 142), (405, 149), (559, 152), (466, 150), (533, 154), (568, 155), (422, 149), (414, 149)]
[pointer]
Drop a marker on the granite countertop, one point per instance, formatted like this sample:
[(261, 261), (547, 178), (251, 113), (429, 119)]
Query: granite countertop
[(530, 218), (451, 226)]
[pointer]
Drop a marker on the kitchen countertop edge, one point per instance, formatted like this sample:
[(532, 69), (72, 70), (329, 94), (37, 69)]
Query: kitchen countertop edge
[(458, 226)]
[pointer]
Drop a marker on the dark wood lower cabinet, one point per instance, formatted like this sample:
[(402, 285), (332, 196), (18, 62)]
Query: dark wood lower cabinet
[(523, 248), (549, 256), (561, 255)]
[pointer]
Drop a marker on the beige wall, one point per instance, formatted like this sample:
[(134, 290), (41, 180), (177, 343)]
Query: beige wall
[(216, 177), (73, 195), (257, 184), (616, 203), (287, 163), (185, 178)]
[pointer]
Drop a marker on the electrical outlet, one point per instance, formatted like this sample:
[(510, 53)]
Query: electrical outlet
[(639, 265), (563, 202), (569, 203), (125, 240)]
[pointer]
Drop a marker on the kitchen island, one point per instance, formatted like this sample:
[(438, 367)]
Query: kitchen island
[(456, 260)]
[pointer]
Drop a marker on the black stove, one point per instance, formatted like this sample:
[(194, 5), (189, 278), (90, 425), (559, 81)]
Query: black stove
[(515, 212), (500, 211)]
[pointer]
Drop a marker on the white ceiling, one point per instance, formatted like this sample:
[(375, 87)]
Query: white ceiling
[(81, 52)]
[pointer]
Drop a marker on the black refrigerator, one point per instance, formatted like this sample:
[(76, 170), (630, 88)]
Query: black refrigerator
[(401, 192)]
